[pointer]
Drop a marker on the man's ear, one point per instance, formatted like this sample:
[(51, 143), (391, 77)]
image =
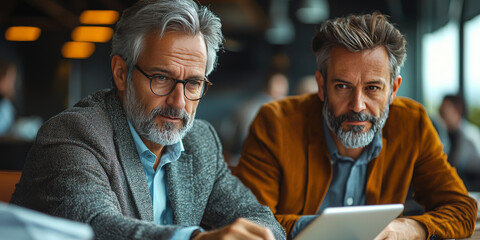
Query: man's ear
[(395, 86), (321, 85), (119, 72)]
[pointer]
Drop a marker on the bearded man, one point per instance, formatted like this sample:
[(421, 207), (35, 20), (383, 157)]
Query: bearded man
[(131, 161), (355, 142)]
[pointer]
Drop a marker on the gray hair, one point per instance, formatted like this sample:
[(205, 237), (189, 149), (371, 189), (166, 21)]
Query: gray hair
[(357, 33), (161, 16)]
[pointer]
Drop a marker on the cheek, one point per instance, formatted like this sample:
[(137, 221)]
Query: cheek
[(377, 108), (149, 103), (376, 104), (338, 106), (143, 101), (191, 107)]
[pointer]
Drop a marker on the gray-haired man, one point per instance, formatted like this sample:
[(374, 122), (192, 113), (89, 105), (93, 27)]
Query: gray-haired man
[(132, 162)]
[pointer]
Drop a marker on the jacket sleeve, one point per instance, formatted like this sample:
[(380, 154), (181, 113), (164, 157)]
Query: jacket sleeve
[(259, 168), (230, 200), (449, 211), (66, 176)]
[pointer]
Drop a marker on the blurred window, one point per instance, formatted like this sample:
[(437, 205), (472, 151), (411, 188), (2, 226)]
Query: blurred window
[(472, 69), (440, 65)]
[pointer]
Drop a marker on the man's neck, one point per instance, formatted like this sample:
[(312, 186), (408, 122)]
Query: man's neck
[(156, 149), (353, 153)]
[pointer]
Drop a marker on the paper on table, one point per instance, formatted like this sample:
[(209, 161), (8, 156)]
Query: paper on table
[(25, 224)]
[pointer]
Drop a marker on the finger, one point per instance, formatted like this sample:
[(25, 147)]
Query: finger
[(381, 236), (238, 231), (262, 232), (255, 229), (227, 233)]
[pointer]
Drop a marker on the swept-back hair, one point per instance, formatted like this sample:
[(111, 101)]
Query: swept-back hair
[(161, 16), (357, 33)]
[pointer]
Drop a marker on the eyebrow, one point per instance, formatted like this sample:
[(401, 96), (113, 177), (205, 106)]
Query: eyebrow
[(336, 80), (381, 82), (158, 70)]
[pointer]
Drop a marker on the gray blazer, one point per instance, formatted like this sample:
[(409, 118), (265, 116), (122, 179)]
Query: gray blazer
[(84, 166)]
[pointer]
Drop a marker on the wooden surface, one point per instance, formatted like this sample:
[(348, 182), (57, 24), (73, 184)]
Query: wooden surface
[(8, 179)]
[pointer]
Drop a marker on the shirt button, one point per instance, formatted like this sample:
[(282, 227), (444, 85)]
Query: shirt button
[(349, 201)]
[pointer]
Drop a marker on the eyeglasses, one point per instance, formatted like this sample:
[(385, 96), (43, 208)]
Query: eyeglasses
[(193, 89)]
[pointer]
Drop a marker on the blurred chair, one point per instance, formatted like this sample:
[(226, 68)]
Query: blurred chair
[(8, 179)]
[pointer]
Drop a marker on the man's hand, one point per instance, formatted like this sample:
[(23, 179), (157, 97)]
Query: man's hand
[(403, 228), (240, 229)]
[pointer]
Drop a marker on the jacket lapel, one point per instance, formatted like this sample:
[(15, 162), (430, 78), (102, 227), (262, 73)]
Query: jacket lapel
[(319, 169), (128, 157), (180, 190), (375, 175)]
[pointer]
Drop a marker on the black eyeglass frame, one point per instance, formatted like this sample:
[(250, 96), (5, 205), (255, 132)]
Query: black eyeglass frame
[(150, 77)]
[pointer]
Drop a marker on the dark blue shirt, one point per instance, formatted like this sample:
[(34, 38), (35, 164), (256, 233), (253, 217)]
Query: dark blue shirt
[(347, 187)]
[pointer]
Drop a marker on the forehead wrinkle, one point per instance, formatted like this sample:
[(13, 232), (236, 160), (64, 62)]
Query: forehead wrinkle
[(176, 53), (186, 59), (376, 60), (184, 64), (376, 74)]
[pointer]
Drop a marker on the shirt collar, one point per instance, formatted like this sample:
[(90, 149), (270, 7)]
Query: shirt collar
[(371, 150), (171, 154)]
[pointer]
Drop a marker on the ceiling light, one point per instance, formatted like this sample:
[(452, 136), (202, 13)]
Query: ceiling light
[(313, 11), (281, 30), (92, 34), (22, 33), (78, 50), (99, 17)]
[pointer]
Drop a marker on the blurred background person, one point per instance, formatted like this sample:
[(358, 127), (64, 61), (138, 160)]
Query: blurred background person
[(464, 138), (8, 74), (17, 132), (276, 86), (13, 126), (306, 84)]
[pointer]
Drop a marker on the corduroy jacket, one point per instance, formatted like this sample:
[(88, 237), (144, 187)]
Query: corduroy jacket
[(285, 162)]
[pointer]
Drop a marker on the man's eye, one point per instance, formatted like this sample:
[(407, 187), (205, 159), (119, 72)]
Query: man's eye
[(195, 82), (159, 78), (341, 86), (373, 88)]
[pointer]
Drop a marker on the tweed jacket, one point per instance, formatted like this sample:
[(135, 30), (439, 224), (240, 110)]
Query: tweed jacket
[(84, 166), (285, 162)]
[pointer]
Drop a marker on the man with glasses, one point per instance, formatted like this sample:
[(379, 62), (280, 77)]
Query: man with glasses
[(132, 162)]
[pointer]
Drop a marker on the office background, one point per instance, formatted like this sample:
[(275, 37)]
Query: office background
[(443, 52)]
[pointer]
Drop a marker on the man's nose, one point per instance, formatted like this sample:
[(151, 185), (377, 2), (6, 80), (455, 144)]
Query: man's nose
[(357, 103), (176, 98)]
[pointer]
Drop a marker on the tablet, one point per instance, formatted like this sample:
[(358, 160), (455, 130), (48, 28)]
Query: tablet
[(348, 223)]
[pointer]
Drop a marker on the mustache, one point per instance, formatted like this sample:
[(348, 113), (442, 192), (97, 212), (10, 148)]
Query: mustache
[(356, 116), (171, 112)]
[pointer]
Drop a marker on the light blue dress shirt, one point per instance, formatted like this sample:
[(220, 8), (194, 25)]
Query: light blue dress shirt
[(157, 182), (347, 187)]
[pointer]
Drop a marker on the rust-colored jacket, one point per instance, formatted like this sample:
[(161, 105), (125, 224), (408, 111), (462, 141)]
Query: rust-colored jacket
[(285, 162)]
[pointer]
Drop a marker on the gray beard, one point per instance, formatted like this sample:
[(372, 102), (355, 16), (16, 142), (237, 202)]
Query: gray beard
[(354, 137), (145, 125)]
